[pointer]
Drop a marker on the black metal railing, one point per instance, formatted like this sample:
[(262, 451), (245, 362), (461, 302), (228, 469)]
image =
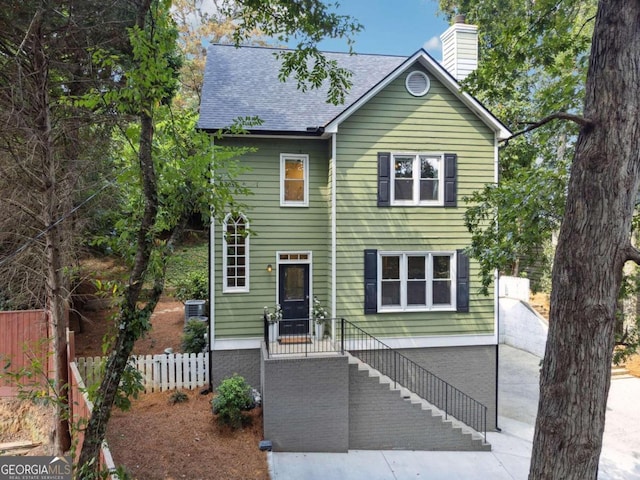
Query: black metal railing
[(404, 372), (303, 344)]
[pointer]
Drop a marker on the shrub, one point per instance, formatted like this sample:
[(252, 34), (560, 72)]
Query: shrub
[(234, 397), (194, 339), (193, 286), (178, 397)]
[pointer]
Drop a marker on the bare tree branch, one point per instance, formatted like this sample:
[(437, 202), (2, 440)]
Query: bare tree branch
[(583, 122), (633, 254)]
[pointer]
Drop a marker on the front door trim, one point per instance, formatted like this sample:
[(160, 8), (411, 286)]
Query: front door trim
[(292, 257)]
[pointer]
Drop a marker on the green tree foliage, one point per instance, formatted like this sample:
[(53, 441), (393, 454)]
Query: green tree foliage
[(306, 22), (192, 286), (167, 172), (551, 40), (194, 338), (509, 222), (201, 22), (46, 148), (533, 60)]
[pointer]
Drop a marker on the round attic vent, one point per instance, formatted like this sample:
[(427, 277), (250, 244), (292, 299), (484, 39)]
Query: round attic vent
[(417, 83)]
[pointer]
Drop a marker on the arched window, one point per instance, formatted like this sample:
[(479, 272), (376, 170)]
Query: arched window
[(235, 254)]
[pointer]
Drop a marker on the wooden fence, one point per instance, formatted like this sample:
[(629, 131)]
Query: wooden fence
[(159, 372), (81, 408), (23, 341)]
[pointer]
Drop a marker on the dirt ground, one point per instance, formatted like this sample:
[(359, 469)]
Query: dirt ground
[(24, 420), (157, 440), (167, 323)]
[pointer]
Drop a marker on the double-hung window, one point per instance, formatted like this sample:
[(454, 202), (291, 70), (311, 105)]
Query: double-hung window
[(416, 281), (235, 254), (294, 180), (417, 179)]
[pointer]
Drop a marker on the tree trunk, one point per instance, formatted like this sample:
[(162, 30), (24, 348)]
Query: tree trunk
[(51, 201), (593, 246), (132, 321)]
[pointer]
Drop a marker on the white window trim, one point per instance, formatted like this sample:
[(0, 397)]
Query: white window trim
[(416, 180), (225, 287), (403, 307), (298, 261), (305, 159)]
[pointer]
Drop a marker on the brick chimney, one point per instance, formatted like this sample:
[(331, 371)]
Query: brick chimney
[(460, 48)]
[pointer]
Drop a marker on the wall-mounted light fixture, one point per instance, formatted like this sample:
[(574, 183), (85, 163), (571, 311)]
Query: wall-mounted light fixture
[(269, 268)]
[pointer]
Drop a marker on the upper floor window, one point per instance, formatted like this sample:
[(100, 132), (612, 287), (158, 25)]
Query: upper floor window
[(294, 180), (235, 254), (416, 281), (408, 179), (416, 179)]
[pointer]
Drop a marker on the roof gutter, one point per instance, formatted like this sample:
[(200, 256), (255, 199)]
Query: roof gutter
[(309, 132)]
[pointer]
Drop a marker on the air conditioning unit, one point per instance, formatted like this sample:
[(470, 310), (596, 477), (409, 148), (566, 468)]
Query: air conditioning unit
[(194, 308)]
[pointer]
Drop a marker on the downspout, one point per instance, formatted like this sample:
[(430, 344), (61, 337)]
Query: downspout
[(496, 289), (212, 288), (333, 233)]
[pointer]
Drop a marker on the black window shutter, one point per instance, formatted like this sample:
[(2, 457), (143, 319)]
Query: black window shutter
[(462, 282), (370, 281), (384, 177), (450, 180)]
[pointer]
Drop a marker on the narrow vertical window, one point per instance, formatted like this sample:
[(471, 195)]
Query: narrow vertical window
[(429, 179), (417, 281), (235, 254), (441, 280), (294, 180), (403, 178)]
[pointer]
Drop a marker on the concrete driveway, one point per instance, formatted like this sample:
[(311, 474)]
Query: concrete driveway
[(511, 449)]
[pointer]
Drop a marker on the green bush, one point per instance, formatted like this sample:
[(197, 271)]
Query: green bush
[(192, 286), (234, 397), (178, 397), (194, 339)]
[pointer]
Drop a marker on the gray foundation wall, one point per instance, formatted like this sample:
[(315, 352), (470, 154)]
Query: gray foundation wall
[(380, 419), (472, 370), (318, 404), (224, 363), (306, 403)]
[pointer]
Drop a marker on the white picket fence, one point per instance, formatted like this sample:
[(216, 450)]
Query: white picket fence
[(159, 372)]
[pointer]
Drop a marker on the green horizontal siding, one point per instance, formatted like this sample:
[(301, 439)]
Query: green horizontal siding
[(392, 121), (275, 228), (396, 121)]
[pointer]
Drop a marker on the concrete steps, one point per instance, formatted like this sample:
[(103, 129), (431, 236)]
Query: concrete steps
[(443, 432)]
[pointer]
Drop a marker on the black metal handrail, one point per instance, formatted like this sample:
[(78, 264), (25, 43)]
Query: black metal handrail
[(415, 378), (399, 368), (303, 344)]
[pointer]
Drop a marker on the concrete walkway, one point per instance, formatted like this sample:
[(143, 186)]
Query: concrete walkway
[(511, 449)]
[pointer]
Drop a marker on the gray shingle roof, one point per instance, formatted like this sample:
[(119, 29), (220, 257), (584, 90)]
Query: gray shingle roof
[(241, 82)]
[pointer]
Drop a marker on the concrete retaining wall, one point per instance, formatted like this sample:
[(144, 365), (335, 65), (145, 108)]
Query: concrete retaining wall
[(522, 327), (514, 287)]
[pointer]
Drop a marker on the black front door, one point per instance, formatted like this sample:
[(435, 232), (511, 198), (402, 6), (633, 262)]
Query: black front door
[(294, 299)]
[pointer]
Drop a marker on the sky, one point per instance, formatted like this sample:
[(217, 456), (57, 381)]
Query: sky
[(393, 27)]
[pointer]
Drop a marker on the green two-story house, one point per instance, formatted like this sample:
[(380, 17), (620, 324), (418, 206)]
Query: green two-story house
[(358, 205)]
